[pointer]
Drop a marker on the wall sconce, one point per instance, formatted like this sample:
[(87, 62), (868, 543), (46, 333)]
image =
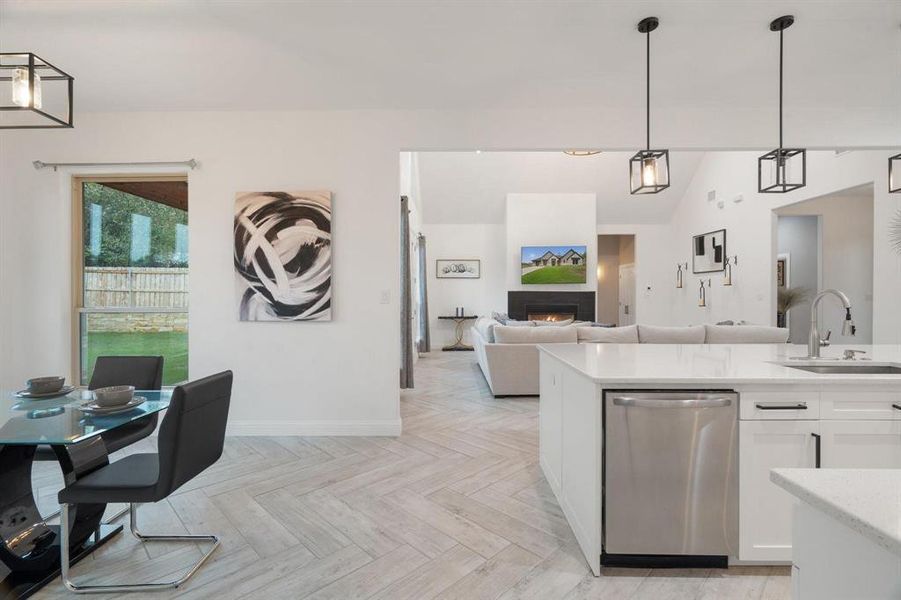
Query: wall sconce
[(679, 270), (702, 293), (727, 269), (894, 174)]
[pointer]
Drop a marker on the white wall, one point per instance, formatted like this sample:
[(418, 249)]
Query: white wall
[(342, 376), (846, 223), (551, 220), (478, 296), (336, 377), (750, 226)]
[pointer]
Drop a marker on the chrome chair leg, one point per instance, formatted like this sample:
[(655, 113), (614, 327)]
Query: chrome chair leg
[(129, 587)]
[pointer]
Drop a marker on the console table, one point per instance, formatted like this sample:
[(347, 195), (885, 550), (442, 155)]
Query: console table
[(458, 344)]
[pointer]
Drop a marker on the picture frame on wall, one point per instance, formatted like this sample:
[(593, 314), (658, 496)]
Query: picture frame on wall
[(783, 270), (708, 252), (458, 268)]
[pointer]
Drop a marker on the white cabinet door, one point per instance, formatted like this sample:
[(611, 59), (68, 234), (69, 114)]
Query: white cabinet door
[(857, 444), (550, 419), (765, 510)]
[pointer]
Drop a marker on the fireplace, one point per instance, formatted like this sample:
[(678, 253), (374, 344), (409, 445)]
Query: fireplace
[(550, 306), (551, 312)]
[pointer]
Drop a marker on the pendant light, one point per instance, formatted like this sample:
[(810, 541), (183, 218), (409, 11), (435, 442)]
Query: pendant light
[(34, 94), (649, 169), (894, 174), (783, 169)]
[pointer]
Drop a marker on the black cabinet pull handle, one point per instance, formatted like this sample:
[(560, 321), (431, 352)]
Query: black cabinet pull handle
[(798, 406), (816, 449), (896, 406)]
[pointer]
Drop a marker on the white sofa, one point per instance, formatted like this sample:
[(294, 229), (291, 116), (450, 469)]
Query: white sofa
[(508, 355)]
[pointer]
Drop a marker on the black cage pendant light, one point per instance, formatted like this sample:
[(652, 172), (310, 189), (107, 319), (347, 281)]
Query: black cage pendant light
[(894, 174), (34, 94), (649, 169), (783, 169)]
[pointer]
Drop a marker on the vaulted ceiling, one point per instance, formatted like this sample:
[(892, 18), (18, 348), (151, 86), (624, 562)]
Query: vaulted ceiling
[(466, 187), (261, 54)]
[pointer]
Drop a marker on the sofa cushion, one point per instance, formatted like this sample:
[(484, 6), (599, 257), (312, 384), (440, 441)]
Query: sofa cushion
[(652, 334), (745, 334), (515, 323), (534, 335), (563, 323), (485, 328), (609, 335)]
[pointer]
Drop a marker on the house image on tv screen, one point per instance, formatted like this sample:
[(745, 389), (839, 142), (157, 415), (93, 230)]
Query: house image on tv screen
[(553, 264)]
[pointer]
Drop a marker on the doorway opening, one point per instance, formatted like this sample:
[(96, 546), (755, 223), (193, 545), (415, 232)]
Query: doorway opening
[(616, 280), (826, 242)]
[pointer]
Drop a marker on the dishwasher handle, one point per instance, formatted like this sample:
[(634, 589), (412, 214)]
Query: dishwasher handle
[(662, 402)]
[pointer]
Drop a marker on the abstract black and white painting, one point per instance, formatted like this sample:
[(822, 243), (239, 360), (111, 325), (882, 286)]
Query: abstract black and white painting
[(708, 252), (283, 256)]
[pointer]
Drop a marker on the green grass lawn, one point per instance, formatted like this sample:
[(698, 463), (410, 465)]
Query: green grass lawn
[(173, 345), (558, 274)]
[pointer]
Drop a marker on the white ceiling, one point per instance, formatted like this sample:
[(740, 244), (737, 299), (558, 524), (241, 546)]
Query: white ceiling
[(466, 187), (174, 55)]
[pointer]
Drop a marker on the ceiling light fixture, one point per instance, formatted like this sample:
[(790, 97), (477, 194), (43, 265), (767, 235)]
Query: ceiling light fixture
[(649, 169), (783, 169), (581, 152), (894, 174), (26, 104)]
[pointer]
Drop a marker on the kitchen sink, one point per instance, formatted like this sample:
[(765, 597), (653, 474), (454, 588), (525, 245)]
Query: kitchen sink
[(857, 369)]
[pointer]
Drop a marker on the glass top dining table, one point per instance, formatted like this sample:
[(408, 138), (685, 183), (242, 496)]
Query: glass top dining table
[(58, 421)]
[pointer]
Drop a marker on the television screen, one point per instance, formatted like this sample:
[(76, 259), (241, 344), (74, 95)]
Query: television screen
[(553, 264)]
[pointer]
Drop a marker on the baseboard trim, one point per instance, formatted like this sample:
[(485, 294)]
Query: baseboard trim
[(388, 427)]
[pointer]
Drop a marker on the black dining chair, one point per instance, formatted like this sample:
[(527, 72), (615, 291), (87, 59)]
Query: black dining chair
[(191, 438), (142, 372)]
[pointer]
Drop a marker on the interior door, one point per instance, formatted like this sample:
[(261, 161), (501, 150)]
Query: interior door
[(626, 294)]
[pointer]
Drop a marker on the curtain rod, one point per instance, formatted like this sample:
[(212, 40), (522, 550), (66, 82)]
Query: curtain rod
[(192, 163)]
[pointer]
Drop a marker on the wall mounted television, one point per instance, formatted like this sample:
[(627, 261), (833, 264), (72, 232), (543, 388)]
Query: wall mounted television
[(553, 264)]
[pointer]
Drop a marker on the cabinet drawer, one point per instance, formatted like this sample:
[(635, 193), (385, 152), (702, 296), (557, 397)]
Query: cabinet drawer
[(776, 406), (869, 406)]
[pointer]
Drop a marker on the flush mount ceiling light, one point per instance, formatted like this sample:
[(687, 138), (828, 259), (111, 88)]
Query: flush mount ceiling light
[(581, 152), (894, 174), (33, 93), (783, 169), (648, 169)]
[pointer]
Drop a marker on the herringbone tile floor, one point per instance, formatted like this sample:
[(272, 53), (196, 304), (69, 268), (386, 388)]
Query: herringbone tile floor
[(455, 508)]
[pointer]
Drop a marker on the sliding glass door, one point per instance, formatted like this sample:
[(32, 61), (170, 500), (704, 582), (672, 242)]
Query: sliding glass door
[(131, 271)]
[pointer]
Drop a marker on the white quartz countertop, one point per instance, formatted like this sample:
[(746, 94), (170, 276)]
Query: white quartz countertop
[(630, 364), (866, 500)]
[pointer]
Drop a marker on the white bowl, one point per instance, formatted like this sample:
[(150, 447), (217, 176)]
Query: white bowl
[(116, 395), (45, 385)]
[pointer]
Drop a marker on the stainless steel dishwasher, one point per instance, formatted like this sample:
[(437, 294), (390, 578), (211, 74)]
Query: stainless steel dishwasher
[(670, 477)]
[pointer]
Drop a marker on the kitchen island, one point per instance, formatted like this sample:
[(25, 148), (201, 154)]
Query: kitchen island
[(787, 417), (847, 532)]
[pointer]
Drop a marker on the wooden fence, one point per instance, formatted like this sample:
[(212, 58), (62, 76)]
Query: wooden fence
[(138, 287)]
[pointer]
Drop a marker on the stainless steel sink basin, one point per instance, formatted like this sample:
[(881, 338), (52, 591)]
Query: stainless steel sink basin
[(857, 369)]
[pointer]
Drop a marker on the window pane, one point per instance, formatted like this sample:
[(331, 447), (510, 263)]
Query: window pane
[(135, 256), (140, 334), (135, 246)]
